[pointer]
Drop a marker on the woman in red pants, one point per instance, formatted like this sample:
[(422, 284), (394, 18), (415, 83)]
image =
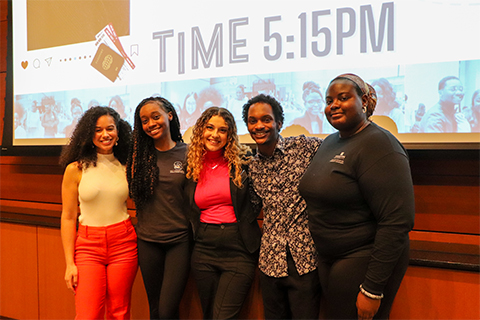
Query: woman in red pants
[(101, 257)]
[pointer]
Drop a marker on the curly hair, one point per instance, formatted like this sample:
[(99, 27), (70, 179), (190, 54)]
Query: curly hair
[(388, 94), (119, 105), (81, 147), (209, 94), (235, 153), (142, 169), (276, 107)]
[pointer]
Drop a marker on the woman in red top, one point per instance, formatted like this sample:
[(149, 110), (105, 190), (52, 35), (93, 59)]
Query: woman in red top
[(227, 235)]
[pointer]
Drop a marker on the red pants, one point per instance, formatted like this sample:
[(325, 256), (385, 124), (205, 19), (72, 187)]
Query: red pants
[(106, 258)]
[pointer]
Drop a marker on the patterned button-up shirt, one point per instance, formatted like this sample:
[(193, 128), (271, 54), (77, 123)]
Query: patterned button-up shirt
[(285, 221)]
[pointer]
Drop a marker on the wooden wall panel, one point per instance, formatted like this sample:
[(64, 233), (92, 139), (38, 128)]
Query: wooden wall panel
[(453, 168), (428, 293), (445, 237), (18, 272), (3, 10), (447, 208), (52, 290), (23, 186), (31, 187)]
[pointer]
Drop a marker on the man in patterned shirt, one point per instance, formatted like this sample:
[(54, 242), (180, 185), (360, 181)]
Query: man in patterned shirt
[(288, 259)]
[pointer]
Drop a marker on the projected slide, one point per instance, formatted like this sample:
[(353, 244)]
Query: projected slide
[(422, 57)]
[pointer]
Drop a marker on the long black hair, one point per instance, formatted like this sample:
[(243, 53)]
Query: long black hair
[(81, 147), (142, 169)]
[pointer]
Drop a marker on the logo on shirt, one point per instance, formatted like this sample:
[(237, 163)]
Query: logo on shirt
[(340, 158), (177, 167)]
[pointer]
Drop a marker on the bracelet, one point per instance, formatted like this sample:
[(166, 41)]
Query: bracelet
[(370, 295)]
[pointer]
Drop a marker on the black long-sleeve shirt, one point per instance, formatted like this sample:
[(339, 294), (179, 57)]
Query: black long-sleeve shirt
[(359, 194)]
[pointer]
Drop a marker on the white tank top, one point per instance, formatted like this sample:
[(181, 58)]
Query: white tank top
[(103, 193)]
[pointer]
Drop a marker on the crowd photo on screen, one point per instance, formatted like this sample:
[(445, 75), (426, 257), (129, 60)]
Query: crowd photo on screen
[(439, 102)]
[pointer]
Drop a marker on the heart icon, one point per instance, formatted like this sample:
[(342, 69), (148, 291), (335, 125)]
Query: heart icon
[(24, 64)]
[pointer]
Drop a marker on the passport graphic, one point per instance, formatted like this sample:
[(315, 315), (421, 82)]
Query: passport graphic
[(108, 62)]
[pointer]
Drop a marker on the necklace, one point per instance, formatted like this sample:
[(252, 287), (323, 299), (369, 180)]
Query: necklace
[(213, 164), (213, 160)]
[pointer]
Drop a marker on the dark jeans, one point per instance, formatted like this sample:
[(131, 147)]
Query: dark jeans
[(292, 297), (223, 270), (341, 278), (165, 269)]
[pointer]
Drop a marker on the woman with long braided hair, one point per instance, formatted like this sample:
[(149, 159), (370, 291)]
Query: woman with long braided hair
[(156, 177)]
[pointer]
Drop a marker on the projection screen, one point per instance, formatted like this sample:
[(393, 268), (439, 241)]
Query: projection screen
[(70, 55)]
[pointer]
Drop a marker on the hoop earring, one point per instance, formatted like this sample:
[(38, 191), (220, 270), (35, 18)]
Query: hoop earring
[(364, 109)]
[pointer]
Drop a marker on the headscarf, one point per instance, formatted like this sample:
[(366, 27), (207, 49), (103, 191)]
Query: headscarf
[(364, 87)]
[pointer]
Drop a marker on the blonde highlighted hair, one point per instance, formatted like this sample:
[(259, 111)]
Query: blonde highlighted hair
[(235, 153)]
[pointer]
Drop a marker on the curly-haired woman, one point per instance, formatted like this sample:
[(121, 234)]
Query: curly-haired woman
[(156, 178), (227, 235), (101, 257)]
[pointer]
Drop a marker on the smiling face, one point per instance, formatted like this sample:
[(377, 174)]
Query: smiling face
[(344, 107), (314, 103), (106, 134), (262, 127), (452, 93), (155, 121), (239, 94), (215, 134)]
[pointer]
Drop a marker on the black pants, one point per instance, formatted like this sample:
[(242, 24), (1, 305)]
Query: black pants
[(341, 278), (165, 269), (292, 297), (223, 270)]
